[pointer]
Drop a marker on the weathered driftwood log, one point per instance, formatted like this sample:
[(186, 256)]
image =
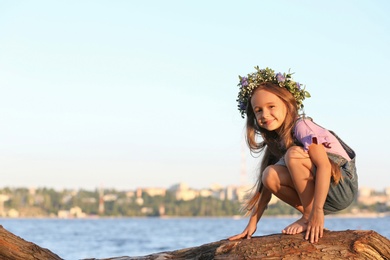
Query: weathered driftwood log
[(15, 248), (334, 245)]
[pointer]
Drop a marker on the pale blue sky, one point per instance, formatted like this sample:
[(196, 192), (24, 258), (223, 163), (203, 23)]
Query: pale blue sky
[(130, 94)]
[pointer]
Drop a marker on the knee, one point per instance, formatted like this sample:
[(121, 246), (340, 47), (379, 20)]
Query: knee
[(269, 177)]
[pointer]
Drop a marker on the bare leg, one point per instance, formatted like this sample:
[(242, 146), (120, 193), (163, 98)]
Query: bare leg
[(277, 179), (300, 168)]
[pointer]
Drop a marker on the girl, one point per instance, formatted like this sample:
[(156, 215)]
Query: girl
[(303, 164)]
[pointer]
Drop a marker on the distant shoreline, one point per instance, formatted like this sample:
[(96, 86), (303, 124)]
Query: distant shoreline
[(238, 217)]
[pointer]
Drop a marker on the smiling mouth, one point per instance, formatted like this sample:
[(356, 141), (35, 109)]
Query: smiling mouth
[(267, 122)]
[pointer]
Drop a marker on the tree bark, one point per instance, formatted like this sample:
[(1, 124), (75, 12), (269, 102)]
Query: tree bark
[(349, 244), (15, 248), (333, 245)]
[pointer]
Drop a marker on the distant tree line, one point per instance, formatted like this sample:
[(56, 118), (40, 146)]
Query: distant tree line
[(48, 202)]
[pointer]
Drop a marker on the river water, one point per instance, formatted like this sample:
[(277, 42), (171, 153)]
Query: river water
[(104, 238)]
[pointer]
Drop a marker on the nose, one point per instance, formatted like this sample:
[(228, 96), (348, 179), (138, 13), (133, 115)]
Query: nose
[(265, 114)]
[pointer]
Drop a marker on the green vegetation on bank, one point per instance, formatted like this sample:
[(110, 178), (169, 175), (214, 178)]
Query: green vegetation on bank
[(48, 202), (44, 202)]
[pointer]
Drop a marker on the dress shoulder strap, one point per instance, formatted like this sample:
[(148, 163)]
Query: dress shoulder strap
[(351, 153)]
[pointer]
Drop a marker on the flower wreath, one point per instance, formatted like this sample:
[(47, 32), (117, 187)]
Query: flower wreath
[(249, 83)]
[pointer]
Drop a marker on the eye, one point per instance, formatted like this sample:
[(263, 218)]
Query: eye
[(257, 111)]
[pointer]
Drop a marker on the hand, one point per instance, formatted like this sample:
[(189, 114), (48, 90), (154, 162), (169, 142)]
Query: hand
[(315, 228), (247, 233)]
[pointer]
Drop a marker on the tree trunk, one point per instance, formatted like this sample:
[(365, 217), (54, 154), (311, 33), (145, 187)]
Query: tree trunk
[(15, 248), (348, 244), (333, 245)]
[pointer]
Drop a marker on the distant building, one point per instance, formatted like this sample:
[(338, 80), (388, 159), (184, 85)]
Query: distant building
[(365, 192), (387, 191), (138, 193), (139, 201), (161, 210), (155, 191), (63, 214), (146, 210), (183, 192), (242, 192), (231, 193), (75, 212), (90, 200), (368, 196), (205, 193), (13, 213), (130, 194), (110, 197), (179, 186), (3, 198)]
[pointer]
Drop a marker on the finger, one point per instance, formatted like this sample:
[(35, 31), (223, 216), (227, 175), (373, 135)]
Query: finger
[(307, 233), (312, 235), (316, 233), (236, 237), (232, 238)]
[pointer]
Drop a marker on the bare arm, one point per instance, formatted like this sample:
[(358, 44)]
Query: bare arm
[(320, 159), (254, 218)]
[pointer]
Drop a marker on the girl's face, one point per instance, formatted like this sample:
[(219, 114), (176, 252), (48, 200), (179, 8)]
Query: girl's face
[(269, 109)]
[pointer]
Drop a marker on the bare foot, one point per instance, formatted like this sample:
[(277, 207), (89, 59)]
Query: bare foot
[(297, 227)]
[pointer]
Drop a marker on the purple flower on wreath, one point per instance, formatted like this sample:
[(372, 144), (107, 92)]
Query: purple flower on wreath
[(280, 77), (242, 105), (298, 86), (244, 81)]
